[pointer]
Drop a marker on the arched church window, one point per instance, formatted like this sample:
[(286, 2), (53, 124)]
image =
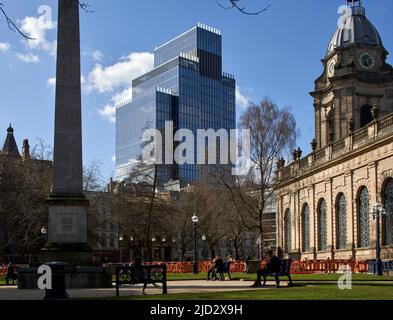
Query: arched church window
[(306, 228), (388, 219), (366, 115), (331, 125), (341, 222), (364, 218), (322, 226), (288, 231)]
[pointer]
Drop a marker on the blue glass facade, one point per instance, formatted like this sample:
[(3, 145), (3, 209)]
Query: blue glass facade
[(186, 86)]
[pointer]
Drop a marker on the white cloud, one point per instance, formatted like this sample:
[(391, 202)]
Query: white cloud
[(121, 97), (4, 46), (108, 112), (97, 55), (51, 82), (241, 100), (121, 74), (37, 29), (114, 158), (28, 58)]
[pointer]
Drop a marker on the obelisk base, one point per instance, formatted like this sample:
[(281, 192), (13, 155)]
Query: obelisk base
[(67, 231)]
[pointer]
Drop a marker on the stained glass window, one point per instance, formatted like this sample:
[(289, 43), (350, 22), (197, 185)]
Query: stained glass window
[(306, 228), (389, 213), (364, 219), (288, 230), (322, 226), (341, 222)]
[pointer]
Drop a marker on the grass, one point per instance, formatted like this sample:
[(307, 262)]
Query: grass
[(306, 287), (298, 292), (295, 277), (311, 292), (2, 280)]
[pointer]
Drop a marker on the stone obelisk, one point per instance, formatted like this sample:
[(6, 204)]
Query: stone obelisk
[(67, 229)]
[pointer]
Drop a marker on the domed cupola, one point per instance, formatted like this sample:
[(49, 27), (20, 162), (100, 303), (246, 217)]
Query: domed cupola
[(356, 77), (354, 28)]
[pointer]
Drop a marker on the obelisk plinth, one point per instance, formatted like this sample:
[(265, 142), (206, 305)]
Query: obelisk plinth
[(67, 229)]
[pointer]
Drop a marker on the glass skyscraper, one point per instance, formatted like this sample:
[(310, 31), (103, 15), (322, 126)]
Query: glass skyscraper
[(186, 86)]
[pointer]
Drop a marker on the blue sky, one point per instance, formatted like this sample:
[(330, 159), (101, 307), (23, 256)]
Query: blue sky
[(276, 54)]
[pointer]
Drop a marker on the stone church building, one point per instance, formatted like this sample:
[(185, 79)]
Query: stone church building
[(325, 201)]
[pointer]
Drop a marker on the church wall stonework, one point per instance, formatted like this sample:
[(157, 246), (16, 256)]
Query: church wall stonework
[(353, 149), (369, 167)]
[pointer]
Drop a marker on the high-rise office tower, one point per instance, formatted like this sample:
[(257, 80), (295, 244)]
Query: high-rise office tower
[(186, 86)]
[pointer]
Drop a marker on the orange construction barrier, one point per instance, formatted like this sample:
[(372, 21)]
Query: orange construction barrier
[(297, 266), (3, 270)]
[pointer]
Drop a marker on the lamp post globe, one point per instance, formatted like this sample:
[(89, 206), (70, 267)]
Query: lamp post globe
[(195, 221)]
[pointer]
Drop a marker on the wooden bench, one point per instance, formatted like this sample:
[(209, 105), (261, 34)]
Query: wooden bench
[(387, 266), (131, 275), (285, 271)]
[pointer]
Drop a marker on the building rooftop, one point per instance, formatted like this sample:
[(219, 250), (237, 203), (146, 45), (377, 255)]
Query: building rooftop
[(355, 28), (10, 147)]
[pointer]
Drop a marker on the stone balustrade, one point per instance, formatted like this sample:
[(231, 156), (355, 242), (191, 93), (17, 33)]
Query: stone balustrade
[(376, 130)]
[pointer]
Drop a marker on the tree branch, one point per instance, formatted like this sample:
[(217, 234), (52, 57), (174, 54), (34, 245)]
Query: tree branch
[(11, 24), (85, 6), (234, 4)]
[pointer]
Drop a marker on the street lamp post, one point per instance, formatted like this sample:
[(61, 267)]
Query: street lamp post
[(44, 231), (378, 212), (258, 242), (204, 238), (120, 251), (195, 220)]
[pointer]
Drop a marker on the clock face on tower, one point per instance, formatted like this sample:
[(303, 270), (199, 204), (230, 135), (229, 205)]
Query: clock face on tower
[(331, 68), (366, 60)]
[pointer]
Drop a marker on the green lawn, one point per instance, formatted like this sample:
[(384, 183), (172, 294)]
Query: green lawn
[(311, 292), (295, 277), (2, 280), (307, 287)]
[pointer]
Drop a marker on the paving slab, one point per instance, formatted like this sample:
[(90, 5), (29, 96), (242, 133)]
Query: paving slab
[(189, 286)]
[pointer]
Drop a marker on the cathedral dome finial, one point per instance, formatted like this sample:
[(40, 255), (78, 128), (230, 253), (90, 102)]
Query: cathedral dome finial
[(354, 28), (10, 129)]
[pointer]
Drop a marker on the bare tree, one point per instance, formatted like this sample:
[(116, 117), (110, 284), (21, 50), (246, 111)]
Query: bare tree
[(142, 211), (273, 134), (24, 187), (13, 26), (184, 209), (235, 4), (42, 151), (92, 177)]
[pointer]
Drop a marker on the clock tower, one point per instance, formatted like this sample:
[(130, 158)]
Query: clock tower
[(356, 85)]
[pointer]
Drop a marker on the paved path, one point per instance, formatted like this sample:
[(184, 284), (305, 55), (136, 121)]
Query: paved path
[(11, 293)]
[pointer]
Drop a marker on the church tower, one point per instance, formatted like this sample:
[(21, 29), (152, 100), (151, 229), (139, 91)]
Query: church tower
[(356, 86)]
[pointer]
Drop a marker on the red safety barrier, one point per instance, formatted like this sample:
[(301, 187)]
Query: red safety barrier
[(3, 270), (297, 266)]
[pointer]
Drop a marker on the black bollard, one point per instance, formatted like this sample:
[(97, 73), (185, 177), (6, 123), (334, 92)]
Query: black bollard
[(58, 291)]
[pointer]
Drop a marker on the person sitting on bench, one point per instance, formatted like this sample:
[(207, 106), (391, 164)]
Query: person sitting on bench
[(10, 275), (273, 266)]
